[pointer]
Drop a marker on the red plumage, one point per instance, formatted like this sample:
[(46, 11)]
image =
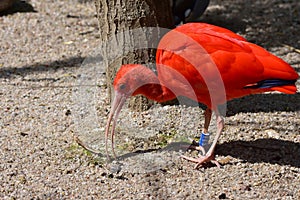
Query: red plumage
[(193, 49), (208, 64)]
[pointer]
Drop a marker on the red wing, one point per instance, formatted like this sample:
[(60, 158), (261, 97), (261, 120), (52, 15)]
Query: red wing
[(205, 53), (201, 52)]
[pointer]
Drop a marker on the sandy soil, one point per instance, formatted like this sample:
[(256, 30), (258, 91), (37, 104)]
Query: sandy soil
[(46, 45)]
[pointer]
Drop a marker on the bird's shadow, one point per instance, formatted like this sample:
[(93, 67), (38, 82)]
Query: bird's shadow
[(173, 146), (265, 102), (270, 102), (274, 151)]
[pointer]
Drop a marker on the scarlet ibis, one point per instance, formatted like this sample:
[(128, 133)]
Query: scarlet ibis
[(188, 10), (208, 64)]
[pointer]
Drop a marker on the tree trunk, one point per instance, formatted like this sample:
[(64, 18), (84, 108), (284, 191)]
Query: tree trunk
[(117, 19)]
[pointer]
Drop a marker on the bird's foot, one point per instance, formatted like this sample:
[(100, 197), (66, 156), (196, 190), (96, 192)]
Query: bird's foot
[(194, 146), (202, 160)]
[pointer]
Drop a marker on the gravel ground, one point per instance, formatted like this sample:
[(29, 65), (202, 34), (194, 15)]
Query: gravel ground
[(42, 49)]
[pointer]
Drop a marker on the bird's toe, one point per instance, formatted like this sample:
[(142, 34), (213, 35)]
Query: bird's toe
[(202, 160)]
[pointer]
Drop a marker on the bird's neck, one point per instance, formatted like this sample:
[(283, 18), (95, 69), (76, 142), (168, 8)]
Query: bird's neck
[(154, 90)]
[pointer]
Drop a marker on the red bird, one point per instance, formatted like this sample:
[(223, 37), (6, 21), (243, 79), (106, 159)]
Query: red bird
[(208, 64)]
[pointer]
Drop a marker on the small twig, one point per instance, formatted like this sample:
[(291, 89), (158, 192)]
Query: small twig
[(291, 48), (82, 144)]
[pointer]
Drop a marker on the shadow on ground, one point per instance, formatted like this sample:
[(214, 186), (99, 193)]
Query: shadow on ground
[(264, 103), (264, 22), (10, 72), (268, 102), (272, 151), (17, 7)]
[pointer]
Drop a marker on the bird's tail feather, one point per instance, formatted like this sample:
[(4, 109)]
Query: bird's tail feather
[(285, 86), (288, 89)]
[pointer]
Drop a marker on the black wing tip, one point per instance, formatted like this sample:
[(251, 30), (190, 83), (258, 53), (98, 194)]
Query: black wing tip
[(269, 83)]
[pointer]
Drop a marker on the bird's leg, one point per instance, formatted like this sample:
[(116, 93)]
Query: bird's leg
[(207, 119), (209, 156)]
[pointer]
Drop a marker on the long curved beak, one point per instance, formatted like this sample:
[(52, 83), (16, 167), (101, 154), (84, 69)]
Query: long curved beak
[(116, 107)]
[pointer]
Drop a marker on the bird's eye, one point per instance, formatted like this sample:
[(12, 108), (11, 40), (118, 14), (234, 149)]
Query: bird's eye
[(122, 86)]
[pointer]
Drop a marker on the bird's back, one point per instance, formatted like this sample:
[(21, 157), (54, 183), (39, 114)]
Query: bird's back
[(202, 53)]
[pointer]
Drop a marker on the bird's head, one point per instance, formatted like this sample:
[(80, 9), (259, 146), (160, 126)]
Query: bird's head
[(130, 80)]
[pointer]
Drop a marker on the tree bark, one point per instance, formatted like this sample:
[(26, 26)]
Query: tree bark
[(117, 19)]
